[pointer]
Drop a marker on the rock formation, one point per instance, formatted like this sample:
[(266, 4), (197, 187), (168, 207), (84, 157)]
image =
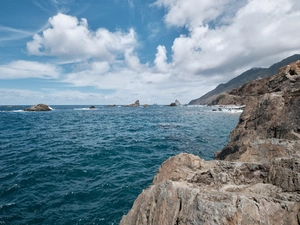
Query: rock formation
[(270, 123), (137, 103), (38, 107), (257, 177), (188, 190), (92, 107), (176, 103), (249, 75)]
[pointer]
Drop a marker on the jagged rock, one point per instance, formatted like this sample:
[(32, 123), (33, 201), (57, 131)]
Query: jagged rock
[(38, 107), (137, 103), (190, 190), (146, 106), (213, 96), (92, 107), (268, 126)]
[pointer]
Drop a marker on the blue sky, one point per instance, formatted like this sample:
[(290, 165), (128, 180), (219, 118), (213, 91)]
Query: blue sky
[(118, 51)]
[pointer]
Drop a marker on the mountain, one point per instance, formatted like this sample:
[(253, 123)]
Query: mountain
[(249, 75)]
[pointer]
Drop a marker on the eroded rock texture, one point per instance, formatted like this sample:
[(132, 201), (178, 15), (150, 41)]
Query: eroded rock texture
[(189, 190), (270, 124), (257, 177)]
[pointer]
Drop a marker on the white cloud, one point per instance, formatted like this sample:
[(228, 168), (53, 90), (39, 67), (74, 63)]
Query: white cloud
[(70, 38), (28, 69), (160, 60), (223, 38)]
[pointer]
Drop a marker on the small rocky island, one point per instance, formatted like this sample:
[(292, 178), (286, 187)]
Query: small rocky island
[(39, 107), (255, 179), (176, 103), (136, 103)]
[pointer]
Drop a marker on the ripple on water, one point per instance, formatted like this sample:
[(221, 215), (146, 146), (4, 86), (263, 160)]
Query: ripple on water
[(88, 166)]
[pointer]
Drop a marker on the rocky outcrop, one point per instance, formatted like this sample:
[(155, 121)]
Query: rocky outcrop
[(189, 190), (176, 103), (249, 75), (38, 107), (270, 123), (256, 179), (137, 103)]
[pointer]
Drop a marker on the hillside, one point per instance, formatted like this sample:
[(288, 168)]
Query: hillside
[(245, 77)]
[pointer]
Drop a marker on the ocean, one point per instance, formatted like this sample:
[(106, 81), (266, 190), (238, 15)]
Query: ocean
[(74, 165)]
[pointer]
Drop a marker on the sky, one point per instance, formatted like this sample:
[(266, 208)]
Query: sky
[(117, 51)]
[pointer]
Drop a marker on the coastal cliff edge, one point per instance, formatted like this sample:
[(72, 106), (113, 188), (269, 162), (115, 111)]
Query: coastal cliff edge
[(255, 179)]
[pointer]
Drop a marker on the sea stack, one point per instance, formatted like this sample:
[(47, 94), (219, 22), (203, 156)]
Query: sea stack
[(38, 107), (176, 103), (137, 103), (256, 179)]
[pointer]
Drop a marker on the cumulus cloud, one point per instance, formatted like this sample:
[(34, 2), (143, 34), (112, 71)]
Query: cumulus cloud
[(160, 60), (28, 69), (68, 37), (225, 35)]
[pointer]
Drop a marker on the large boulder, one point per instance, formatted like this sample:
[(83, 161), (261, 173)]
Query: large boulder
[(190, 190), (38, 107)]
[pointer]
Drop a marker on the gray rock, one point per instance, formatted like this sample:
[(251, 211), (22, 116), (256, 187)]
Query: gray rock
[(38, 107), (190, 190)]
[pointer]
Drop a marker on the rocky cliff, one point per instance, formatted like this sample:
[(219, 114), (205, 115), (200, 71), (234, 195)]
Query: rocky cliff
[(270, 124), (256, 179), (213, 96)]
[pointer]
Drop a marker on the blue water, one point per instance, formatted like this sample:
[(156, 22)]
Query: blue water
[(78, 166)]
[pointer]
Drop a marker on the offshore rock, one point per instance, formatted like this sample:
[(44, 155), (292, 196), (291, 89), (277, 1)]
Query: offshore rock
[(269, 124), (137, 103), (190, 190), (38, 107), (176, 103)]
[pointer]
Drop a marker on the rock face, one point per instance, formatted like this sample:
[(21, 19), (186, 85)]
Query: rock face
[(256, 182), (270, 123), (38, 107), (249, 75), (189, 190)]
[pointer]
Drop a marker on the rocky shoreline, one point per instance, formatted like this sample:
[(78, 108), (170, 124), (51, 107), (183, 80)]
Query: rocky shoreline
[(255, 179)]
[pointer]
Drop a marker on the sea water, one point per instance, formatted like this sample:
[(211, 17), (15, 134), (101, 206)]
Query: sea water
[(74, 165)]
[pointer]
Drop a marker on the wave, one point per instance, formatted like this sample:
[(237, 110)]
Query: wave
[(85, 109)]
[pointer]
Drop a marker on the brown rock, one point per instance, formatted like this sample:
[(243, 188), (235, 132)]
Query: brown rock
[(38, 107), (189, 190), (137, 103), (268, 126)]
